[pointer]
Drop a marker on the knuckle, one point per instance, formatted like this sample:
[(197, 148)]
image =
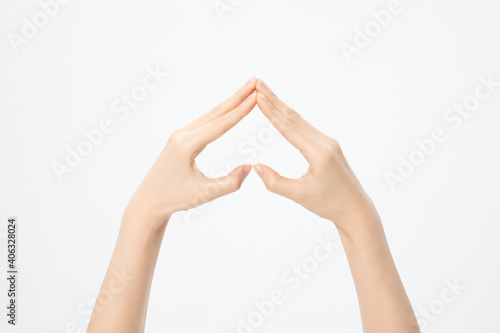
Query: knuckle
[(180, 140), (238, 184), (284, 130), (289, 126), (326, 156), (179, 130), (334, 145), (210, 191), (175, 134), (232, 182), (291, 114), (281, 127), (178, 135), (270, 184)]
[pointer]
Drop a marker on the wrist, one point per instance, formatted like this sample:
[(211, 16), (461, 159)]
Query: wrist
[(360, 227), (143, 220), (358, 217), (148, 209)]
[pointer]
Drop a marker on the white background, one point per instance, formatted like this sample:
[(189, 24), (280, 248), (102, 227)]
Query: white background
[(442, 222)]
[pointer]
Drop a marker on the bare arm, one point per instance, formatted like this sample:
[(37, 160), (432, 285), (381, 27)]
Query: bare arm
[(123, 299), (330, 189), (173, 183)]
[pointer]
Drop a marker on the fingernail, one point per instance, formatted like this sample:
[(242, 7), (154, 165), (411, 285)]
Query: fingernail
[(249, 82), (246, 170), (250, 97), (258, 169), (263, 97), (263, 84)]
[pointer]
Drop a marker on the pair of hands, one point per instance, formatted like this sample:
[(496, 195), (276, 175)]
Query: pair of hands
[(329, 188)]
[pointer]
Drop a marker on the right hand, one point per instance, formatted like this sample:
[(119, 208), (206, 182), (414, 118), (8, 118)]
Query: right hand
[(329, 188)]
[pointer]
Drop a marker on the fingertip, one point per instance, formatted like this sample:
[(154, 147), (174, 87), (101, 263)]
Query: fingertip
[(251, 82), (261, 85), (258, 169), (246, 170)]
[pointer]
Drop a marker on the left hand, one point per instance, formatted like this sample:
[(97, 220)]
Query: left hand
[(174, 182)]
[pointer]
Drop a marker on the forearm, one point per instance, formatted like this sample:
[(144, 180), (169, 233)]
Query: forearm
[(330, 189), (173, 183), (383, 302), (122, 302)]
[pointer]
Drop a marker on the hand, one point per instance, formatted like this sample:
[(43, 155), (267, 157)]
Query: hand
[(329, 188), (174, 182)]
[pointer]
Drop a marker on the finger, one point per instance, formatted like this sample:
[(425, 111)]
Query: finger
[(218, 126), (229, 104), (274, 182), (217, 187), (290, 130), (288, 112)]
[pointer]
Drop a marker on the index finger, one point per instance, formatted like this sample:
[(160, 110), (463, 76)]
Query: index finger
[(229, 104), (288, 112), (290, 130), (214, 129)]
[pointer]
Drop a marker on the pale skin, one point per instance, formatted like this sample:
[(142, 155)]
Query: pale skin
[(329, 189)]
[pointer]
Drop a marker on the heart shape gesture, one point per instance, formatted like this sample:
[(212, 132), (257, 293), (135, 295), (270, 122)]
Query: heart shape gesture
[(329, 188)]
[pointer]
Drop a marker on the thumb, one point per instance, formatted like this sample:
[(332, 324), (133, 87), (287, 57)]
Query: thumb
[(274, 182), (218, 187)]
